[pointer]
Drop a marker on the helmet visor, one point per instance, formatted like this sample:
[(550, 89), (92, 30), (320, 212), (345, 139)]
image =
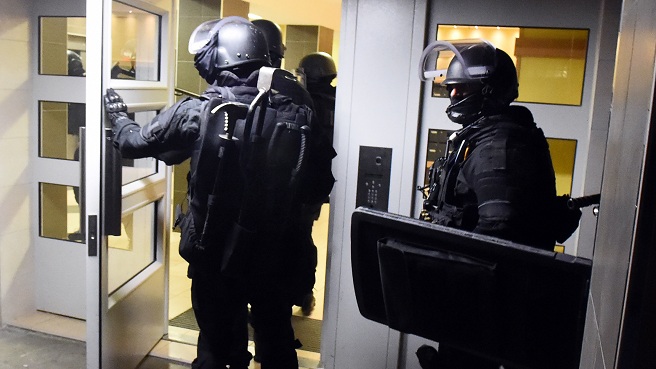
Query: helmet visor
[(202, 35), (204, 32), (440, 53)]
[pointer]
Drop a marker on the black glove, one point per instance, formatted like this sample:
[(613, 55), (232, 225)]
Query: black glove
[(428, 357), (114, 105), (566, 219)]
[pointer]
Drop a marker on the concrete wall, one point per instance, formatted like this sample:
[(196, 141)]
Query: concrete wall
[(16, 263)]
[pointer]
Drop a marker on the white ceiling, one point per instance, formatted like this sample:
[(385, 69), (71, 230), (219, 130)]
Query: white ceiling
[(325, 13)]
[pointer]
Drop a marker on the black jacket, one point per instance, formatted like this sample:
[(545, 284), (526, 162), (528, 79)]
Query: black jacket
[(499, 181), (172, 134)]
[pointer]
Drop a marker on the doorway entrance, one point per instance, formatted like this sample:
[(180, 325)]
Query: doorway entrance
[(305, 30)]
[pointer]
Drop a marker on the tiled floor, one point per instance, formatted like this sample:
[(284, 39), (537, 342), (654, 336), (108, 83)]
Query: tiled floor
[(41, 339), (20, 348)]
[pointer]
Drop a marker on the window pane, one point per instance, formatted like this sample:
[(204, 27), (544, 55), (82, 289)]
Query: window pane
[(134, 249), (59, 129), (59, 212), (135, 169), (550, 62), (563, 154), (437, 139), (62, 46), (135, 43)]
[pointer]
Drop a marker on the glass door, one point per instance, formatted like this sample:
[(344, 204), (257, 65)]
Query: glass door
[(59, 111), (126, 206)]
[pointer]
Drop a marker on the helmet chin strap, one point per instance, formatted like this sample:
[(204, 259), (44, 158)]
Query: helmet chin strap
[(465, 118)]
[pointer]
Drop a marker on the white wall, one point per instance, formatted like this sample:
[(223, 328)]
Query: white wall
[(16, 266), (377, 105)]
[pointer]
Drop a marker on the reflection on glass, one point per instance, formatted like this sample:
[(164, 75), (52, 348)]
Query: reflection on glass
[(135, 169), (436, 148), (59, 212), (563, 155), (550, 62), (135, 43), (59, 129), (62, 46), (134, 249)]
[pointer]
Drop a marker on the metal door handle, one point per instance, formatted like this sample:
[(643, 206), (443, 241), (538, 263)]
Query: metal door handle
[(113, 178)]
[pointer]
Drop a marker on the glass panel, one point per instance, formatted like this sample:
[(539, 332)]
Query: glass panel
[(550, 62), (134, 249), (437, 139), (563, 155), (59, 129), (62, 46), (135, 169), (135, 43), (59, 212)]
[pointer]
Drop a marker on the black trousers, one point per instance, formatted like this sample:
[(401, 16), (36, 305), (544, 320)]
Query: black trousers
[(221, 308)]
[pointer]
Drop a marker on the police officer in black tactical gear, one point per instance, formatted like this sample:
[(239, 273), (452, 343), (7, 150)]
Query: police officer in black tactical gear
[(319, 72), (273, 36), (497, 177), (303, 283), (219, 301), (75, 65)]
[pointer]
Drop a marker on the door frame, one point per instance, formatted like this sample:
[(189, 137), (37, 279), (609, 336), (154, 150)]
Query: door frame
[(141, 303)]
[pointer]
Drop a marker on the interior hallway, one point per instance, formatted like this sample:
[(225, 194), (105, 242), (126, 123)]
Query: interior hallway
[(180, 295)]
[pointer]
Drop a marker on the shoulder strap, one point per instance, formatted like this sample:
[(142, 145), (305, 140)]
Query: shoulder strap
[(220, 145), (212, 184), (252, 157)]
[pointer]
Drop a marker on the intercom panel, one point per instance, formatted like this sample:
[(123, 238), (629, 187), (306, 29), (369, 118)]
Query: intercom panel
[(374, 171)]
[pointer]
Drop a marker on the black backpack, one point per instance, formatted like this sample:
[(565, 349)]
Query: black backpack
[(246, 182)]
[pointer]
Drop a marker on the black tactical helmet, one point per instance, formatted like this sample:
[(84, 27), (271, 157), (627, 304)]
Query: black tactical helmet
[(232, 43), (318, 67), (491, 78), (273, 37), (75, 67)]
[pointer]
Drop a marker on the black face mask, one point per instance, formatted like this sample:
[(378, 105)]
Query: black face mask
[(466, 110), (206, 60)]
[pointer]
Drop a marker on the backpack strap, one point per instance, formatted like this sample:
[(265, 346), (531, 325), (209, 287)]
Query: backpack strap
[(281, 81), (252, 157), (225, 154)]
